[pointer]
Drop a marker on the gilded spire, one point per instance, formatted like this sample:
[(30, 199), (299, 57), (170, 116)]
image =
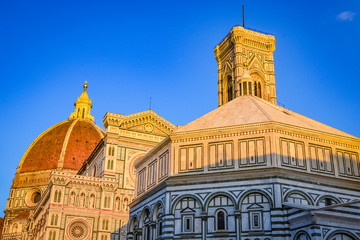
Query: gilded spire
[(82, 106)]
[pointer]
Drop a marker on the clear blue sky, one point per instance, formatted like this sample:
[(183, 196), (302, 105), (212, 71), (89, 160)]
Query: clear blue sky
[(131, 50)]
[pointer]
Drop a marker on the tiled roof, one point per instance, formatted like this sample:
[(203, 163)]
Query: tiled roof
[(70, 141)]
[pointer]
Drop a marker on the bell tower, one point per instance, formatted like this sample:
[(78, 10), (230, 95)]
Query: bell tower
[(246, 65)]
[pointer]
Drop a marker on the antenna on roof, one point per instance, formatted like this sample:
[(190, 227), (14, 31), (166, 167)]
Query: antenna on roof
[(150, 104), (243, 16)]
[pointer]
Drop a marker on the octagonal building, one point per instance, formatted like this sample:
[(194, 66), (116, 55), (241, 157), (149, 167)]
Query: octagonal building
[(250, 169)]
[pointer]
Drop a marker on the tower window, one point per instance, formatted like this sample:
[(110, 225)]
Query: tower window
[(230, 88), (259, 90)]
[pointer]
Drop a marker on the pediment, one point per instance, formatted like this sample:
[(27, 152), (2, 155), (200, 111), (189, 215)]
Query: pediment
[(256, 63), (187, 210), (255, 206), (148, 122), (148, 128)]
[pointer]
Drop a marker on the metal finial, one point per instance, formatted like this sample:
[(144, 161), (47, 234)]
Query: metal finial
[(243, 16)]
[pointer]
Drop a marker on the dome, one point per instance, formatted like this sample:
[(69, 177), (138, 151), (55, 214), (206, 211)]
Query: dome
[(67, 144), (63, 146)]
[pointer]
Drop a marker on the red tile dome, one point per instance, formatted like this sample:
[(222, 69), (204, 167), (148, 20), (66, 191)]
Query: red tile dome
[(65, 145)]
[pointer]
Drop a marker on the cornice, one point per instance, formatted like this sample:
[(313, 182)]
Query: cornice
[(267, 127)]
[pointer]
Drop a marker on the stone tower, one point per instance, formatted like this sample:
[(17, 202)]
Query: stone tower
[(246, 65)]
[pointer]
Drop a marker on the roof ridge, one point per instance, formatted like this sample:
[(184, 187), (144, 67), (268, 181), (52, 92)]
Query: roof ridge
[(60, 163), (261, 109)]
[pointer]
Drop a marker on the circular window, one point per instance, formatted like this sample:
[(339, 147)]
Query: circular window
[(78, 229), (36, 197), (33, 197)]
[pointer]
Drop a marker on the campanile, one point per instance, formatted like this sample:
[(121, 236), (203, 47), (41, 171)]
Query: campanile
[(246, 65)]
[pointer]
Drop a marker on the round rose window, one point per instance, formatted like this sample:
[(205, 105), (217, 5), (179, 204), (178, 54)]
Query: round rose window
[(78, 230)]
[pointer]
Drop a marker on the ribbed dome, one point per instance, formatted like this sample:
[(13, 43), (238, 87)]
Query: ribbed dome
[(66, 145)]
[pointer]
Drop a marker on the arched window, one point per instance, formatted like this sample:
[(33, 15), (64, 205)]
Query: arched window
[(108, 202), (341, 236), (145, 224), (190, 210), (297, 198), (105, 202), (59, 197), (133, 227), (327, 201), (111, 164), (250, 88), (108, 164), (255, 89), (255, 207), (157, 218), (15, 228), (105, 225), (117, 204), (221, 220), (220, 208), (229, 88), (56, 196), (240, 89), (83, 113), (259, 89)]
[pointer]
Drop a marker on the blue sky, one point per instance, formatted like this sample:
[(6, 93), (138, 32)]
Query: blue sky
[(131, 50)]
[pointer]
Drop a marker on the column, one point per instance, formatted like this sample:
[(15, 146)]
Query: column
[(152, 227), (204, 225), (220, 85), (238, 224)]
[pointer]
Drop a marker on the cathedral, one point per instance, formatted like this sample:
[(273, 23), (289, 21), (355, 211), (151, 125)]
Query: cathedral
[(248, 170)]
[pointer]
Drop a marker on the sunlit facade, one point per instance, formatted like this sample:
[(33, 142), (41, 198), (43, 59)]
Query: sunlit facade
[(249, 169)]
